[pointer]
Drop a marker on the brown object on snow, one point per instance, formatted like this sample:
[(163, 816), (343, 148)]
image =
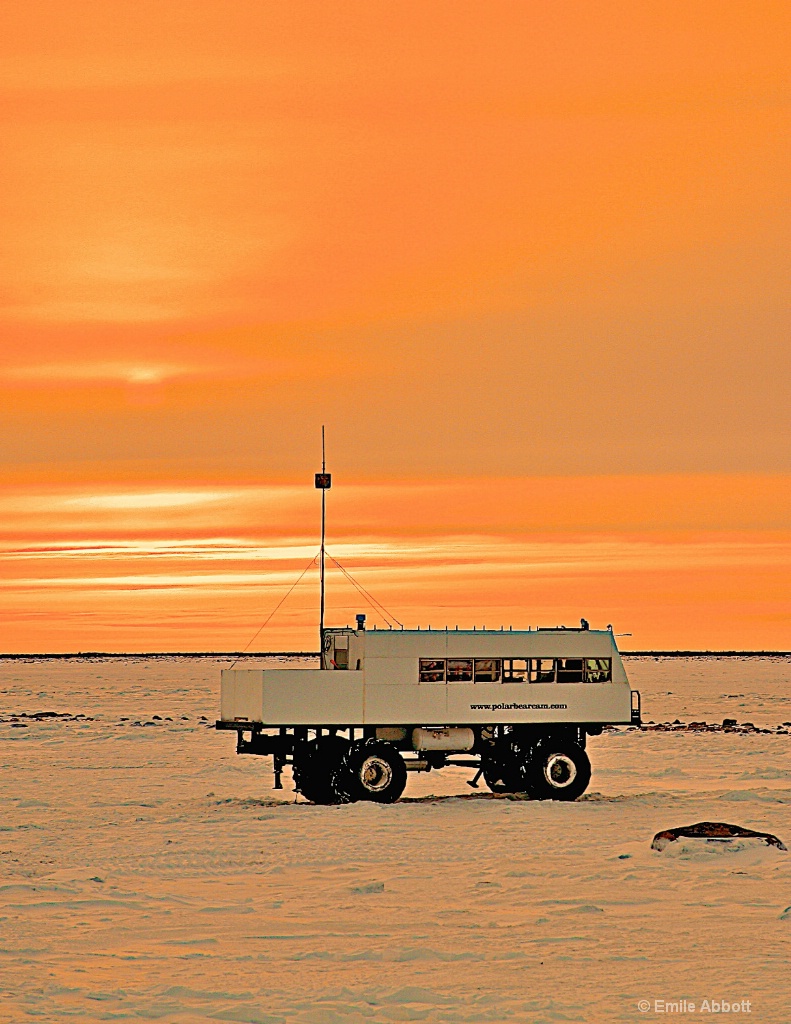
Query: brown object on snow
[(712, 830)]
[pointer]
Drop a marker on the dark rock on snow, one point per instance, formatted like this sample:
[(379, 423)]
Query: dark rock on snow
[(712, 831)]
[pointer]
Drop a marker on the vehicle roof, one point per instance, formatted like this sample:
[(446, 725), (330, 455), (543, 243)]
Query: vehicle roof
[(482, 643), (455, 629)]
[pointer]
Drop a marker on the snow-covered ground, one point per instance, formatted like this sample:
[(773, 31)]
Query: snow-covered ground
[(150, 873)]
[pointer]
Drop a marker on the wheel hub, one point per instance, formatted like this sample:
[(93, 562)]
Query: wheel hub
[(560, 771), (376, 774)]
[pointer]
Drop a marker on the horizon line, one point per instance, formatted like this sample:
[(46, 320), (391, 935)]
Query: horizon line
[(87, 655)]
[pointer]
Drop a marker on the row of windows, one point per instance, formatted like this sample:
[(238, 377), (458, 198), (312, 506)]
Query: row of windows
[(515, 670)]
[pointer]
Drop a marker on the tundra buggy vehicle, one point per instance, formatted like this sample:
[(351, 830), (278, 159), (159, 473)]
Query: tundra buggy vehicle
[(516, 705)]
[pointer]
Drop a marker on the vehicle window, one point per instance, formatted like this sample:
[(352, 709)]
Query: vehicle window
[(569, 670), (460, 670), (432, 670), (487, 670), (515, 670), (542, 670), (598, 670)]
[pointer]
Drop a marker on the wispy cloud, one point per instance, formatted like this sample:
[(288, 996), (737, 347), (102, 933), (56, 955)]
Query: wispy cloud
[(98, 372), (149, 499)]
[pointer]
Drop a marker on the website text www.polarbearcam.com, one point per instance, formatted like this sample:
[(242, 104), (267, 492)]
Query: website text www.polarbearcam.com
[(518, 707)]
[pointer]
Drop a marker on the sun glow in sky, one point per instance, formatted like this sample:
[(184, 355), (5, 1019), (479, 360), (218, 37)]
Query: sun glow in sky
[(528, 262)]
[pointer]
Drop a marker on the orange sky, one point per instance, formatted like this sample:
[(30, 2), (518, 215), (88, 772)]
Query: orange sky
[(527, 261)]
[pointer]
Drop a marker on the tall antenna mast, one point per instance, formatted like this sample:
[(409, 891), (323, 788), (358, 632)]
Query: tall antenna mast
[(323, 483)]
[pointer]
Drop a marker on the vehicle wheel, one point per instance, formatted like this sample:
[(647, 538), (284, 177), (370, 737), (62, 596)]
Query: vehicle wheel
[(558, 770), (499, 777), (505, 769), (316, 765), (373, 770)]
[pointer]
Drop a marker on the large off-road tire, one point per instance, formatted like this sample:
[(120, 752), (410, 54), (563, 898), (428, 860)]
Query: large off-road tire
[(373, 770), (505, 767), (316, 769), (500, 776), (558, 770)]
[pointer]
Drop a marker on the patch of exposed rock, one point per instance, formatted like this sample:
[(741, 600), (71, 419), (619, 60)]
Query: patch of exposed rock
[(729, 725), (712, 831)]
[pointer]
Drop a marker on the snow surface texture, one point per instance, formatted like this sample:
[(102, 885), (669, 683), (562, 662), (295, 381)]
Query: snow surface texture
[(150, 873)]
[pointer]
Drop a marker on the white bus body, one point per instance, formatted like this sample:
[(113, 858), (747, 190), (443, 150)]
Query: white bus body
[(383, 684)]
